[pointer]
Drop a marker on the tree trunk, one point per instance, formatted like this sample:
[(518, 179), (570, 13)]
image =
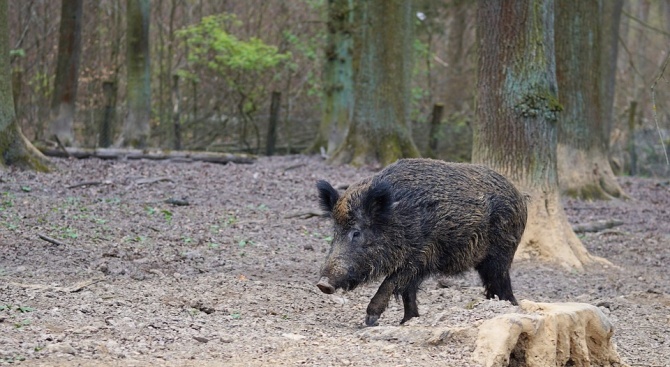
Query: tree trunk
[(272, 125), (136, 127), (67, 72), (456, 80), (15, 149), (176, 112), (380, 130), (583, 159), (515, 131), (338, 77), (434, 132)]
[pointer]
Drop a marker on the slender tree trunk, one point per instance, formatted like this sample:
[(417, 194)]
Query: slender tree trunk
[(338, 77), (380, 130), (176, 112), (15, 149), (67, 72), (455, 57), (515, 131), (583, 159), (136, 127)]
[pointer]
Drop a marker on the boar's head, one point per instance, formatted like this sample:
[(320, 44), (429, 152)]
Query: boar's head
[(361, 217)]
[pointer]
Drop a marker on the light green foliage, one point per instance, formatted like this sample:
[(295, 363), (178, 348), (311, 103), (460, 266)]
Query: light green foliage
[(210, 45)]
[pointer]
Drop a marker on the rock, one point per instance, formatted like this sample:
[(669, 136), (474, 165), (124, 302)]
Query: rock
[(201, 339), (419, 334), (550, 334), (293, 336), (63, 348)]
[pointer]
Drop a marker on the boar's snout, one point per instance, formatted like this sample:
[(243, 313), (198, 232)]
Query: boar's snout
[(325, 286)]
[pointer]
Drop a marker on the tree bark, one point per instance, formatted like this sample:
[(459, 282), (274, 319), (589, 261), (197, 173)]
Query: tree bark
[(585, 83), (15, 149), (338, 77), (380, 130), (515, 131), (67, 72), (272, 125), (136, 126)]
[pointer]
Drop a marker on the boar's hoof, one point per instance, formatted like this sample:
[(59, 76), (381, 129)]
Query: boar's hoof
[(325, 287), (371, 320)]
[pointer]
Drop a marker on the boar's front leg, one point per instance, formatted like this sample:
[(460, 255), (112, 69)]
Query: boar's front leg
[(380, 300)]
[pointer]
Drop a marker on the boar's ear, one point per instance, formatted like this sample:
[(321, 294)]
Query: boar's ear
[(378, 203), (328, 196)]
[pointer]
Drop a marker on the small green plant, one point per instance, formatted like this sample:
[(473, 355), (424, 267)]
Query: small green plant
[(167, 215), (236, 315), (70, 232), (187, 239), (26, 189), (150, 210), (213, 245), (22, 323), (231, 220), (7, 200), (24, 309)]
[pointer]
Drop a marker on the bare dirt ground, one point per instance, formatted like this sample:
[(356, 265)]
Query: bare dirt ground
[(230, 278)]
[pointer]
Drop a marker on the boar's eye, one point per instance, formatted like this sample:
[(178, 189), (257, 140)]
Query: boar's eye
[(355, 234)]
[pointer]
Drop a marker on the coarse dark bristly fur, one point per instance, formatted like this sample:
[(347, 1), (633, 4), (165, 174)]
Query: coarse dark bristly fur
[(419, 217)]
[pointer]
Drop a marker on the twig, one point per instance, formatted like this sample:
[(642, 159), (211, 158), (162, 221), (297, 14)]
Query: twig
[(645, 24), (596, 226), (71, 289), (153, 180), (62, 147), (49, 239), (294, 166), (86, 183), (303, 215), (81, 285), (653, 104)]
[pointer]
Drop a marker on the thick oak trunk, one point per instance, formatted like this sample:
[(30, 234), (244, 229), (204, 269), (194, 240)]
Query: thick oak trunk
[(136, 126), (15, 149), (338, 77), (380, 131), (517, 111), (585, 83), (67, 72)]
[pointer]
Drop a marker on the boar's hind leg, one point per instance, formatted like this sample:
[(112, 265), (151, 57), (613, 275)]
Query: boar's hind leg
[(495, 276), (409, 301)]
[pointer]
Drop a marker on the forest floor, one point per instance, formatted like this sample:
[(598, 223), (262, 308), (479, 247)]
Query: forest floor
[(230, 279)]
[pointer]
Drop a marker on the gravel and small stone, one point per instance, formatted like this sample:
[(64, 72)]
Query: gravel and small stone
[(201, 264)]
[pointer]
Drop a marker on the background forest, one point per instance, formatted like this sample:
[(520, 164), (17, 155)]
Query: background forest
[(223, 98)]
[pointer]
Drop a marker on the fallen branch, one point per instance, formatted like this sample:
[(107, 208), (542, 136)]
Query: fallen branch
[(148, 181), (87, 183), (596, 226), (177, 202), (304, 215), (71, 289), (51, 240), (176, 156)]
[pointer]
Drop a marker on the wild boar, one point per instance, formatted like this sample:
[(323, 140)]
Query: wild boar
[(419, 217)]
